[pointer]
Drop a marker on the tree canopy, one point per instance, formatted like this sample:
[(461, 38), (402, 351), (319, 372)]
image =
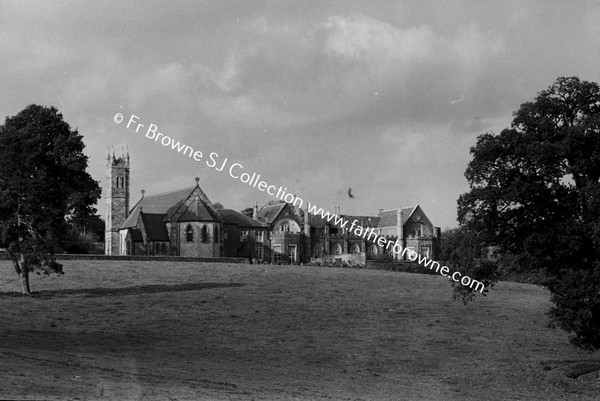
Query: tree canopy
[(44, 186), (535, 198)]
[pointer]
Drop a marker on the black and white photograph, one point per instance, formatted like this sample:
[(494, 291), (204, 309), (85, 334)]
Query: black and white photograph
[(299, 200)]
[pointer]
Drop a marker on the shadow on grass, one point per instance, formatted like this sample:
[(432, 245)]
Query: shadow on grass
[(136, 290)]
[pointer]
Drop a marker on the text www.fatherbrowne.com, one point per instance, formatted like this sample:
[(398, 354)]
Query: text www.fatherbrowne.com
[(236, 171)]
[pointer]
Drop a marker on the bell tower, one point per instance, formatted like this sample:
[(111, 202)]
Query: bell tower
[(117, 199)]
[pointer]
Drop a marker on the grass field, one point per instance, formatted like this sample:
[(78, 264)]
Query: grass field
[(190, 331)]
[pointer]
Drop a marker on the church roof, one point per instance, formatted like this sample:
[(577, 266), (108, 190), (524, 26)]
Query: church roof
[(155, 227), (239, 219), (269, 213), (156, 204), (197, 211)]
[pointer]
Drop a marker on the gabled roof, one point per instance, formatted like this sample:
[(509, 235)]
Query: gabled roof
[(200, 208), (233, 217), (156, 204), (417, 215), (155, 227), (407, 212), (269, 213), (199, 211)]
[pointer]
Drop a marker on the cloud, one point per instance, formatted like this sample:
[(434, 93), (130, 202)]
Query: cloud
[(317, 96)]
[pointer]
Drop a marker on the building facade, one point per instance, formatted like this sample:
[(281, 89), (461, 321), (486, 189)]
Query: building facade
[(186, 223)]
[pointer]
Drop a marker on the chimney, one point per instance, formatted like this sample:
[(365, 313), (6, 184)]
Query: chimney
[(255, 211), (399, 226), (307, 223), (296, 207)]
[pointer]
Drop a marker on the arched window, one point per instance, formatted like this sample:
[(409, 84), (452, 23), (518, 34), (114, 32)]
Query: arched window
[(337, 249), (189, 233), (318, 250), (355, 248), (204, 233), (372, 251)]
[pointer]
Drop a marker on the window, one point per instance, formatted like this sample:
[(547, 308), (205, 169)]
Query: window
[(243, 235), (260, 236), (117, 182), (285, 227), (216, 234), (122, 182), (372, 252), (292, 252), (318, 251), (164, 248), (259, 252), (189, 233), (204, 233), (156, 248), (277, 253), (337, 249), (355, 248), (391, 254)]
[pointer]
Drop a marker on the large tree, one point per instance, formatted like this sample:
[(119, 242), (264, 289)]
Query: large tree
[(44, 186), (535, 197)]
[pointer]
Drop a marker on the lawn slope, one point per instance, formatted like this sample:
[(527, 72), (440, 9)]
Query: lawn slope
[(187, 331)]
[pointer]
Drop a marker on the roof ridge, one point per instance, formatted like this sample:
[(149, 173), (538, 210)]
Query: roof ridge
[(170, 192)]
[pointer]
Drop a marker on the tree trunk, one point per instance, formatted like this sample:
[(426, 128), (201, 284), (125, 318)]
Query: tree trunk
[(24, 275)]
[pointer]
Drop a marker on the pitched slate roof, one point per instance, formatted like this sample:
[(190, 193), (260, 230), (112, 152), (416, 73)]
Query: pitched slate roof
[(155, 227), (363, 221), (389, 218), (199, 211), (156, 204), (239, 219), (269, 213)]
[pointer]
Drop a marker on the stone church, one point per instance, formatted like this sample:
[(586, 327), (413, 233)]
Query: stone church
[(186, 223)]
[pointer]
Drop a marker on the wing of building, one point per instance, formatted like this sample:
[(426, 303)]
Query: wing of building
[(186, 223)]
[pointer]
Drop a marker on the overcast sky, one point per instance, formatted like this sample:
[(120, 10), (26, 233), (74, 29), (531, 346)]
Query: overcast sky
[(385, 97)]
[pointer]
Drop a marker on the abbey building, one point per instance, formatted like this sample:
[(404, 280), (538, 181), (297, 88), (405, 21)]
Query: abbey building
[(185, 222)]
